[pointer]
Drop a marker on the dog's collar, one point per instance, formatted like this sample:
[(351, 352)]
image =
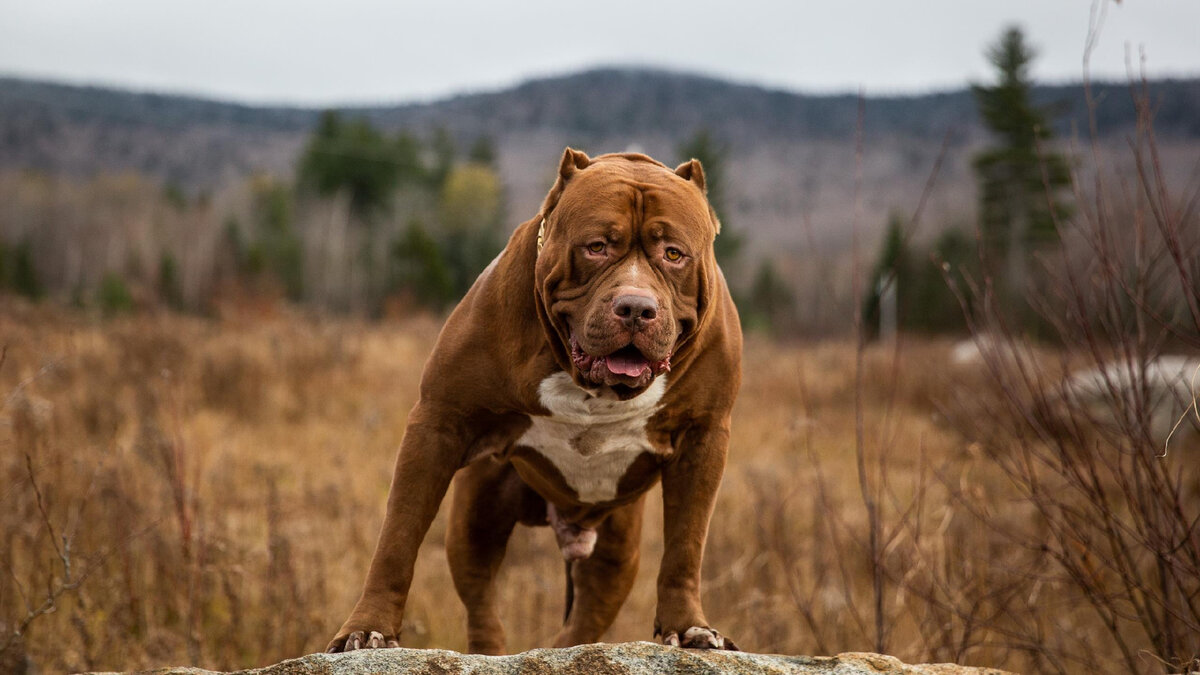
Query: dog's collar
[(541, 238)]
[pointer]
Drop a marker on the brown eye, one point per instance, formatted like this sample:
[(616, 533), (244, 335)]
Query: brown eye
[(596, 247), (673, 254)]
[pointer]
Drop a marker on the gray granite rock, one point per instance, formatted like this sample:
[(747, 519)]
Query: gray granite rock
[(631, 658)]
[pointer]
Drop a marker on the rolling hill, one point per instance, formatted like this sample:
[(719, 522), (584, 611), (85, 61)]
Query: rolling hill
[(791, 156)]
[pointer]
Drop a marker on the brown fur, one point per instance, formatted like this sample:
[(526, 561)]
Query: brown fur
[(480, 388)]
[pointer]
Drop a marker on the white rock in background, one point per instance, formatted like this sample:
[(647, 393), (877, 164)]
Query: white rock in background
[(975, 349), (1172, 385)]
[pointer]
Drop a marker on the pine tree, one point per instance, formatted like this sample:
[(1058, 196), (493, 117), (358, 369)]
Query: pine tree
[(770, 304), (483, 151), (711, 153), (444, 152), (932, 306), (25, 280), (419, 267), (1019, 179), (358, 159), (891, 278)]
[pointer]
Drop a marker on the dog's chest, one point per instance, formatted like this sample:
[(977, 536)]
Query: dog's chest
[(591, 441)]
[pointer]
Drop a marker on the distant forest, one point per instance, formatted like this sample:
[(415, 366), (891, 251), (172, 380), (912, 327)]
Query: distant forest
[(118, 200), (80, 130)]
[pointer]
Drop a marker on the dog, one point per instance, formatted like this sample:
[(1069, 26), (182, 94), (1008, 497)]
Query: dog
[(597, 355)]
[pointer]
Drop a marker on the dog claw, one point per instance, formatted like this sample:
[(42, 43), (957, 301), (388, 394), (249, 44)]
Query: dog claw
[(698, 637), (363, 640)]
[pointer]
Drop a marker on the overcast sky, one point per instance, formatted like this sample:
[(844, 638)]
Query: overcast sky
[(367, 51)]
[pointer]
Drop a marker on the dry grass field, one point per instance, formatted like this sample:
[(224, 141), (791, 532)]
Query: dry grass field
[(208, 491)]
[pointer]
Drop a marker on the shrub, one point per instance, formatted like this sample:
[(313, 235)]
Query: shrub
[(113, 295), (170, 286), (25, 279)]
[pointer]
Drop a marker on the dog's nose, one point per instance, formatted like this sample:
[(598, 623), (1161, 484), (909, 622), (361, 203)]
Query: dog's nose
[(635, 310)]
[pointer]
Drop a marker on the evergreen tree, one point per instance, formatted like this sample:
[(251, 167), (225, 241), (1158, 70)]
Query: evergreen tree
[(444, 153), (113, 295), (892, 276), (25, 280), (770, 305), (483, 151), (276, 249), (1019, 179), (170, 286), (5, 267), (358, 159), (418, 266), (470, 214), (711, 153), (931, 305), (409, 167)]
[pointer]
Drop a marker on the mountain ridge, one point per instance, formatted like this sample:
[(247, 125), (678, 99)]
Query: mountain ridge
[(668, 88), (791, 156)]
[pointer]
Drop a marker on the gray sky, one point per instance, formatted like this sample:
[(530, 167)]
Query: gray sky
[(367, 51)]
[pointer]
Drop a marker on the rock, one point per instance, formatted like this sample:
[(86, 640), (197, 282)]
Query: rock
[(1170, 384), (985, 347), (630, 658)]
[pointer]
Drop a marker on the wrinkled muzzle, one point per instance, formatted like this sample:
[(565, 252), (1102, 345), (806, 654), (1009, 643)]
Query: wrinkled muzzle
[(624, 339)]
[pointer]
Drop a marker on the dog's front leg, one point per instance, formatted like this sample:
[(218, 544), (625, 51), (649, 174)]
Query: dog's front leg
[(430, 453), (689, 486)]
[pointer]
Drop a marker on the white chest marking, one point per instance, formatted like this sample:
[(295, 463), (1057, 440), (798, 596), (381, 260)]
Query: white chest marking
[(591, 440)]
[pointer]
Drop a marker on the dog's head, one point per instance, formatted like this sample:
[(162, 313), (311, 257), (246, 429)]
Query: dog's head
[(625, 267)]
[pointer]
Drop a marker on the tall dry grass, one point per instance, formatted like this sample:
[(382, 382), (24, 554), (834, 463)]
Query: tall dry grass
[(178, 490), (220, 486)]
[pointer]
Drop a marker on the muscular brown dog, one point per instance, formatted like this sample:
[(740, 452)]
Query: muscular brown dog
[(597, 355)]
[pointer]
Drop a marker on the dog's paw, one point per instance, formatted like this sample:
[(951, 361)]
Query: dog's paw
[(699, 637), (361, 639)]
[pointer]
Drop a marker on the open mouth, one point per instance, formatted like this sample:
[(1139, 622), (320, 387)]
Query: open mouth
[(627, 361), (626, 366)]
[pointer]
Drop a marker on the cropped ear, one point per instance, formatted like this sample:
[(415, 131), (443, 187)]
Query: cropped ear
[(573, 161), (691, 170)]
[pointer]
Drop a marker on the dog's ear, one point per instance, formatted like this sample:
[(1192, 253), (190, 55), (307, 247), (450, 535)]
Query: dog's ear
[(573, 161), (691, 170)]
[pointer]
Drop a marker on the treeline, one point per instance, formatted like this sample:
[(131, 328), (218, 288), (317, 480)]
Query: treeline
[(1037, 237), (371, 222), (1023, 209), (369, 219), (68, 130)]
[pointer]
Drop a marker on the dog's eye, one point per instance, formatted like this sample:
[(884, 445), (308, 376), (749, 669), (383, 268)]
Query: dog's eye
[(596, 247), (673, 254)]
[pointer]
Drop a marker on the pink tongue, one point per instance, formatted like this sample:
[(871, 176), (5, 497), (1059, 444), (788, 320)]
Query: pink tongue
[(627, 365)]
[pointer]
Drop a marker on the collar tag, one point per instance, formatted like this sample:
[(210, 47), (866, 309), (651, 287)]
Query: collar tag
[(541, 238)]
